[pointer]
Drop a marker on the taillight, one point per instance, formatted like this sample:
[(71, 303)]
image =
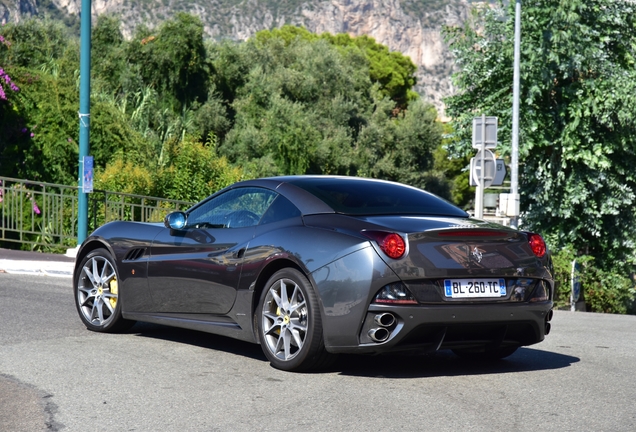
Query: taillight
[(395, 294), (537, 244), (390, 243), (541, 293)]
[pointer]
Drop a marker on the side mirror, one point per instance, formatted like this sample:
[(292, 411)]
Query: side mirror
[(175, 220)]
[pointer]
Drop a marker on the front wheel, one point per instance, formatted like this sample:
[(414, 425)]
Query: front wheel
[(289, 324), (97, 293)]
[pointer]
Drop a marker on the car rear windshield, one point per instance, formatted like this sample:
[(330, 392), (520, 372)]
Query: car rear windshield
[(357, 196)]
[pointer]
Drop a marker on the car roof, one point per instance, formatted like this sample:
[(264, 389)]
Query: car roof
[(320, 194)]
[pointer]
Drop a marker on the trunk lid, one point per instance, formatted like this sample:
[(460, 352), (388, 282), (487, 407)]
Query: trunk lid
[(459, 247)]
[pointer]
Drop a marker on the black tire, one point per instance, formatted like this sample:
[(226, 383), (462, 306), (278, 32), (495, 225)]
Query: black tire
[(96, 291), (486, 354), (289, 324)]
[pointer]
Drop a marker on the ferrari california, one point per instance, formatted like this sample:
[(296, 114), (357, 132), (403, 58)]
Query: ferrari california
[(312, 266)]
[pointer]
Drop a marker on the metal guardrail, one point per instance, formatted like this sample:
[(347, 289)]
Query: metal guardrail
[(44, 215)]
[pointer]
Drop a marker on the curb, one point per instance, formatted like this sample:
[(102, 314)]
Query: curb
[(39, 268)]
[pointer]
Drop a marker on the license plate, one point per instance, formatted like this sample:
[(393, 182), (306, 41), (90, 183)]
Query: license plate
[(474, 288)]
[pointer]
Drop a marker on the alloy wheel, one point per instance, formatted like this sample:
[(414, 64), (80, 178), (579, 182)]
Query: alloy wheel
[(97, 291), (285, 319)]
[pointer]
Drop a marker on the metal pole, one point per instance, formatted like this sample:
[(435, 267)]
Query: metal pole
[(514, 158), (84, 116), (481, 181)]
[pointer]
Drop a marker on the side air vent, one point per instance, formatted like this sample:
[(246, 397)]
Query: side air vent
[(134, 254)]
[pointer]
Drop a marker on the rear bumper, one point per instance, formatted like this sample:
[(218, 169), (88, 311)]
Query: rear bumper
[(431, 328)]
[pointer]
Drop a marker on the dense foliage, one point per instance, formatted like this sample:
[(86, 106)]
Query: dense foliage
[(303, 105), (578, 99), (174, 115), (602, 290), (391, 69)]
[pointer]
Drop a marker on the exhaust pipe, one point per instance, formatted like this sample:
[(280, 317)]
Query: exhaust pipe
[(384, 319), (379, 334), (548, 318)]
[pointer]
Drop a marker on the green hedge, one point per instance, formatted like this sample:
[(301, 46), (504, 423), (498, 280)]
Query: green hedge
[(608, 291)]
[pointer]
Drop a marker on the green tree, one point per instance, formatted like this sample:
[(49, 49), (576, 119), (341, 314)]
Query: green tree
[(158, 80), (298, 108), (578, 99), (303, 104), (393, 71), (13, 133), (400, 148), (449, 175), (34, 42), (274, 105), (173, 60), (40, 128), (48, 103), (111, 73), (31, 51)]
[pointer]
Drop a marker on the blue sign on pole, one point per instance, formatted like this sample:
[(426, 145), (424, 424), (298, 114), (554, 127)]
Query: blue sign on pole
[(87, 175)]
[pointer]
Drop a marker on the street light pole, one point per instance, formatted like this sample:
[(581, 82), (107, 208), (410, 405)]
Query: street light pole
[(84, 116), (514, 157)]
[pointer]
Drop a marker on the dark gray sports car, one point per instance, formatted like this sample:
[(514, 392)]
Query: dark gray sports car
[(311, 266)]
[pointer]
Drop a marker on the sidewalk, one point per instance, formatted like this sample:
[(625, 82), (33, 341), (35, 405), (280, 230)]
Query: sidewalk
[(36, 263)]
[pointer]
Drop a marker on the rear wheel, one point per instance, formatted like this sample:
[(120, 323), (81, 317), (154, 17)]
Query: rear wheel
[(97, 293), (289, 324), (486, 354)]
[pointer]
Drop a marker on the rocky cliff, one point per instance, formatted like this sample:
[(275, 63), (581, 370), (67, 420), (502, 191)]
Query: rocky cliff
[(13, 10), (412, 27)]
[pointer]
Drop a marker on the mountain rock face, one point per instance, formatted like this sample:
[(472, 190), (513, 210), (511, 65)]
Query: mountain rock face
[(412, 27), (418, 37), (14, 10)]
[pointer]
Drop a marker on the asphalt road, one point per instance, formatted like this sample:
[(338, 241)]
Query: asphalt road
[(57, 376)]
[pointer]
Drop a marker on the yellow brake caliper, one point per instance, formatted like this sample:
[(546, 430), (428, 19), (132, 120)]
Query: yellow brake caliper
[(277, 331), (113, 290)]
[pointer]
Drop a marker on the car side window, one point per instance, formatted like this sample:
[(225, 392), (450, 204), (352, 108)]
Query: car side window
[(280, 209), (236, 208)]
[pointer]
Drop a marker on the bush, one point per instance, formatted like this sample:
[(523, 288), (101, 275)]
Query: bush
[(604, 290), (194, 170), (125, 176)]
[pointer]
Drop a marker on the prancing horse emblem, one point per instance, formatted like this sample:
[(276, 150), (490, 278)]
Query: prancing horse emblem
[(477, 254)]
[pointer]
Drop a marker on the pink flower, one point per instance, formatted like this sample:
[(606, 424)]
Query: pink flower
[(36, 209), (7, 79)]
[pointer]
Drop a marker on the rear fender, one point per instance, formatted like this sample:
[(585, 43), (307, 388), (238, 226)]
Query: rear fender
[(346, 287)]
